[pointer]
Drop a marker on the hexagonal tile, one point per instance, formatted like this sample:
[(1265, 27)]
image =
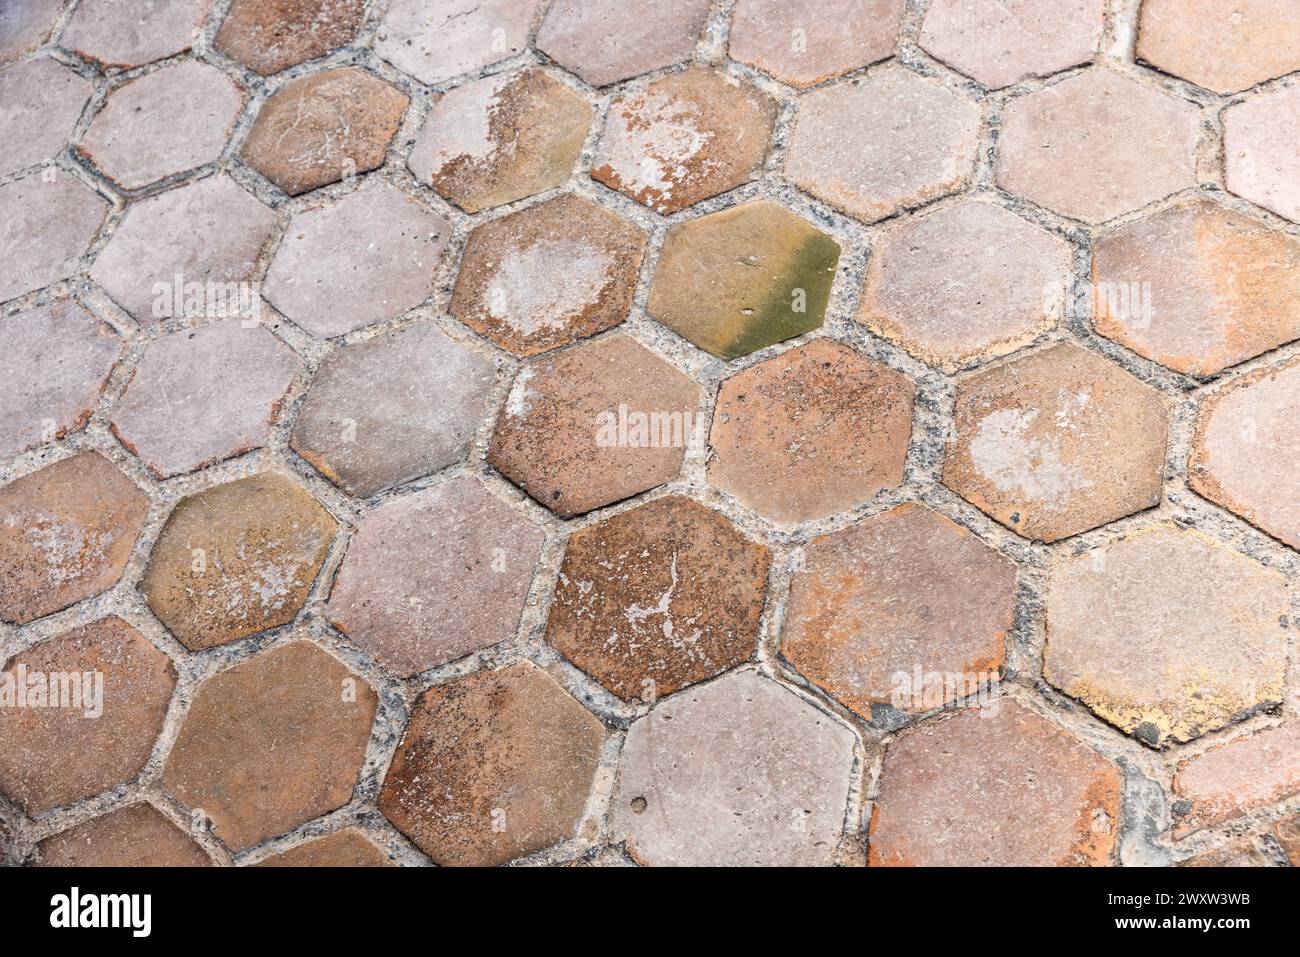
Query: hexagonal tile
[(392, 409), (208, 233), (1245, 449), (995, 786), (59, 209), (658, 597), (236, 559), (810, 432), (271, 743), (604, 41), (134, 836), (492, 767), (99, 729), (964, 283), (548, 275), (685, 137), (1097, 145), (803, 44), (1222, 288), (43, 101), (26, 24), (1002, 43), (1235, 778), (56, 362), (268, 36), (321, 128), (872, 147), (1057, 442), (738, 772), (203, 395), (744, 278), (129, 33), (469, 559), (66, 532), (1166, 634), (163, 123), (501, 138), (1260, 162), (1224, 47), (368, 258), (903, 596), (341, 849), (595, 424), (435, 42)]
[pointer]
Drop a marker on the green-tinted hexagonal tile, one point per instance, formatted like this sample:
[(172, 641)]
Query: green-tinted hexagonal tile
[(744, 278)]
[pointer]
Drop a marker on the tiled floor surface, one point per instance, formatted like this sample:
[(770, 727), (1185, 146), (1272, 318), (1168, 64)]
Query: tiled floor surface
[(662, 431)]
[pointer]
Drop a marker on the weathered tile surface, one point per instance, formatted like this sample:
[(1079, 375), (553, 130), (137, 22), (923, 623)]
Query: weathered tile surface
[(134, 836), (435, 42), (127, 33), (595, 424), (268, 36), (342, 849), (604, 41), (468, 561), (271, 743), (26, 24), (804, 43), (1057, 442), (66, 532), (492, 767), (658, 597), (236, 559), (1260, 162), (43, 100), (1224, 47), (1000, 787), (738, 772), (810, 432), (548, 275), (60, 210), (1166, 634), (744, 278), (1233, 778), (393, 408)]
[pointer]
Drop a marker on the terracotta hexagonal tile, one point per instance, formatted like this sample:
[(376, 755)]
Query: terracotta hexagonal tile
[(134, 836), (1166, 634), (738, 772), (268, 36), (1097, 145), (204, 395), (1260, 163), (62, 212), (684, 138), (163, 123), (803, 44), (1057, 442), (237, 559), (342, 849), (1001, 43), (1237, 777), (435, 42), (492, 767), (1246, 446), (548, 275), (658, 597), (93, 732), (318, 129), (1224, 47), (128, 33), (55, 364), (272, 743), (995, 786), (499, 139), (906, 595), (393, 408), (26, 24), (1222, 288), (208, 232), (964, 283), (1243, 851), (744, 278), (43, 100), (66, 532), (468, 561), (604, 41), (889, 142), (368, 258), (810, 432), (595, 424)]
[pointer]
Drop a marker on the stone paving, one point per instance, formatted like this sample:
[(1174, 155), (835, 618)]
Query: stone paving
[(661, 432)]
